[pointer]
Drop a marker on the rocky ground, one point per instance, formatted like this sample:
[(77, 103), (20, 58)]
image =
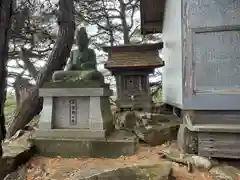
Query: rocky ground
[(146, 164), (41, 168)]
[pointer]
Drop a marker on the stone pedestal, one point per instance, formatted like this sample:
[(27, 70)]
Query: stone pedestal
[(78, 122), (75, 113)]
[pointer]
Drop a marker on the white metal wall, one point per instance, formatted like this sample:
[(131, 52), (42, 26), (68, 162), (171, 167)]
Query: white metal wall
[(172, 54)]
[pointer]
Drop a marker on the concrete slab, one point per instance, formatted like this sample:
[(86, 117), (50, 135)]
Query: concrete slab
[(118, 144)]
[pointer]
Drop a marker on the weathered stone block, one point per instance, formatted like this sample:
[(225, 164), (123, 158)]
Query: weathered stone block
[(154, 129)]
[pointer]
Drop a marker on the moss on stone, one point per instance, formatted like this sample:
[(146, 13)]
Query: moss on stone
[(76, 84), (78, 76)]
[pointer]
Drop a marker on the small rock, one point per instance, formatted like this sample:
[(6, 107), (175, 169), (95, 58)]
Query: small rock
[(200, 162), (190, 160)]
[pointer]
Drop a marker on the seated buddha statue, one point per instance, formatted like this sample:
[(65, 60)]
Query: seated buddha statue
[(81, 65)]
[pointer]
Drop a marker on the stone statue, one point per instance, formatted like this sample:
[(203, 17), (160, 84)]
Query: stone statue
[(81, 65)]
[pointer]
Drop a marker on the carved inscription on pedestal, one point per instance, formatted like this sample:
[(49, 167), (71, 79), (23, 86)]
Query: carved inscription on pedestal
[(73, 112)]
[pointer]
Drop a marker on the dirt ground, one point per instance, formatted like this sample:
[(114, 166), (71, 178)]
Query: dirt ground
[(42, 168)]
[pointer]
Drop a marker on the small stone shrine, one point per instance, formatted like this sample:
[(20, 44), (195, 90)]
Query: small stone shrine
[(131, 66), (76, 118)]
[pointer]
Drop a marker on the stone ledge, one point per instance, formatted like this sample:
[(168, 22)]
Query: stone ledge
[(70, 92), (70, 134)]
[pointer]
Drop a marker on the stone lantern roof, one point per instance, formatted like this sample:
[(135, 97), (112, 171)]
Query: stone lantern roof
[(134, 56)]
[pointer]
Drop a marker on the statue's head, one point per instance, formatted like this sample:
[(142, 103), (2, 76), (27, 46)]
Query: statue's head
[(82, 38)]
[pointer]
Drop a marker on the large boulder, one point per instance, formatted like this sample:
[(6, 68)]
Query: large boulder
[(16, 152)]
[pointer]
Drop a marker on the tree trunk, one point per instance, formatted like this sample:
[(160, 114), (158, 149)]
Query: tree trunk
[(5, 22), (29, 65), (32, 105), (126, 38), (22, 89)]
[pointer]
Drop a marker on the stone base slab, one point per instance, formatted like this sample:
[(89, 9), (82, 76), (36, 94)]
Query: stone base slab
[(70, 134), (113, 147)]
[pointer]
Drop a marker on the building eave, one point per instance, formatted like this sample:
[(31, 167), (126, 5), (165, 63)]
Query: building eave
[(143, 66), (152, 16), (133, 47)]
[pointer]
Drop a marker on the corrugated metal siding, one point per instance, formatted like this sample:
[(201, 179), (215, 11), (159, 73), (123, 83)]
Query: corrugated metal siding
[(223, 145), (216, 117), (172, 54)]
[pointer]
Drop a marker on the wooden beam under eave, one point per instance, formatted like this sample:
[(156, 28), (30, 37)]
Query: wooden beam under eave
[(152, 16)]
